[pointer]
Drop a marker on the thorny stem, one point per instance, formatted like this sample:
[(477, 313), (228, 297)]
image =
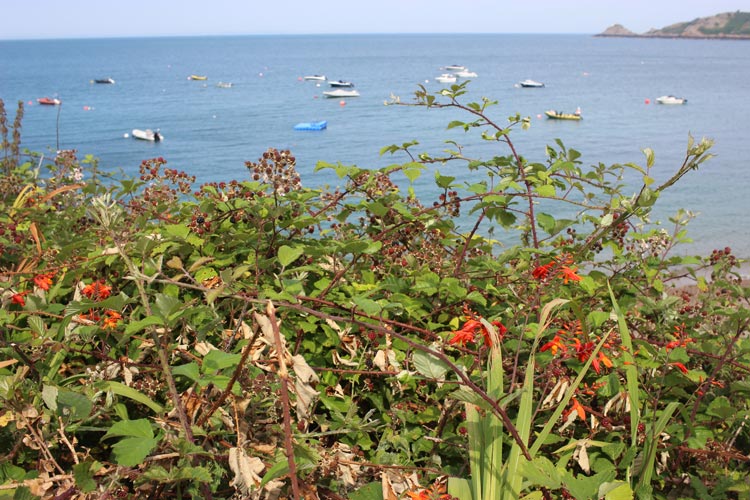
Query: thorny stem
[(284, 376)]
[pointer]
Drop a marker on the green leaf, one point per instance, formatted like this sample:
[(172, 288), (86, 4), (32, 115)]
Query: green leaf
[(546, 190), (77, 405), (166, 305), (131, 428), (83, 473), (130, 452), (189, 370), (429, 366), (616, 490), (218, 360), (546, 222), (128, 392), (137, 326), (371, 491), (288, 254)]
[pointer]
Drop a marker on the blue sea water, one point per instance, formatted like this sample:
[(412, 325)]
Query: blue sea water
[(210, 132)]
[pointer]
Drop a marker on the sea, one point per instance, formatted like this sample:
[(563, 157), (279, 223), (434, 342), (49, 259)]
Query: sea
[(211, 132)]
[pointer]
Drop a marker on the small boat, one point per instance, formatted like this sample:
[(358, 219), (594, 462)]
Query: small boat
[(670, 99), (224, 85), (340, 83), (109, 81), (446, 78), (341, 93), (530, 84), (197, 77), (48, 101), (317, 78), (311, 125), (558, 115), (455, 67), (147, 135), (465, 74)]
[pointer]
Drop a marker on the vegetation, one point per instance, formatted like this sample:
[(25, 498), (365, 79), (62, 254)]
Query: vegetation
[(261, 339)]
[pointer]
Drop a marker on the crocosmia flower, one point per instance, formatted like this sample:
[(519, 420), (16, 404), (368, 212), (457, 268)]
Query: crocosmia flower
[(17, 298), (97, 290), (43, 281)]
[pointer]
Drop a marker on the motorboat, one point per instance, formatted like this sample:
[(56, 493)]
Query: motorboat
[(340, 83), (465, 74), (455, 67), (197, 77), (341, 93), (446, 78), (530, 84), (559, 115), (49, 101), (224, 85), (318, 78), (147, 135), (109, 81), (670, 99), (311, 125)]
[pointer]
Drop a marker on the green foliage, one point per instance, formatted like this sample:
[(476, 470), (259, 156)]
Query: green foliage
[(524, 332)]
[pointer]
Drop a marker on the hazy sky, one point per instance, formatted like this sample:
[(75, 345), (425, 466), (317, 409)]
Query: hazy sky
[(107, 18)]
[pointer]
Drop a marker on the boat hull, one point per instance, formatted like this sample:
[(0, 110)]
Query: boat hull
[(562, 116), (341, 93), (147, 135)]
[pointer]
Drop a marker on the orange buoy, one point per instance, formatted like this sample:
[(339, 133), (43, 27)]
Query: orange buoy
[(342, 102), (648, 101)]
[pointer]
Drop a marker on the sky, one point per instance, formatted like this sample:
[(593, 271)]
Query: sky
[(33, 19)]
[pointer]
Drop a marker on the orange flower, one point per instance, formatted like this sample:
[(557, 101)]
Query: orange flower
[(97, 290), (43, 281), (111, 319), (569, 274), (422, 495), (554, 345), (17, 298), (681, 367), (575, 407)]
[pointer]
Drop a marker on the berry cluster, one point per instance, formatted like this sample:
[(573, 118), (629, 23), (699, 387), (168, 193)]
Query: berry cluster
[(724, 255), (278, 169), (450, 201)]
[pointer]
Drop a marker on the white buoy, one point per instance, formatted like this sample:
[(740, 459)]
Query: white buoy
[(126, 135)]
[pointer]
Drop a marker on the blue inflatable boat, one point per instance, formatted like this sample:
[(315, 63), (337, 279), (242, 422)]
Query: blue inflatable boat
[(311, 125)]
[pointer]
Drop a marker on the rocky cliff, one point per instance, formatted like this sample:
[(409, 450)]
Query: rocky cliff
[(732, 25)]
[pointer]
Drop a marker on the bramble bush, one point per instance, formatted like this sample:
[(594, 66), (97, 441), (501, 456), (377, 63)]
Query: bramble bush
[(262, 339)]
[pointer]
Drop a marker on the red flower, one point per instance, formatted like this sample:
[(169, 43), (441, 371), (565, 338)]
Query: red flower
[(542, 272), (468, 332), (17, 298), (43, 281), (554, 345), (97, 290)]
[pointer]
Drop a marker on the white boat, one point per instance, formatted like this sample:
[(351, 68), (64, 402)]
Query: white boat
[(318, 78), (530, 84), (147, 135), (670, 99), (446, 78), (109, 81), (455, 67), (465, 74), (341, 93), (224, 85), (340, 83)]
